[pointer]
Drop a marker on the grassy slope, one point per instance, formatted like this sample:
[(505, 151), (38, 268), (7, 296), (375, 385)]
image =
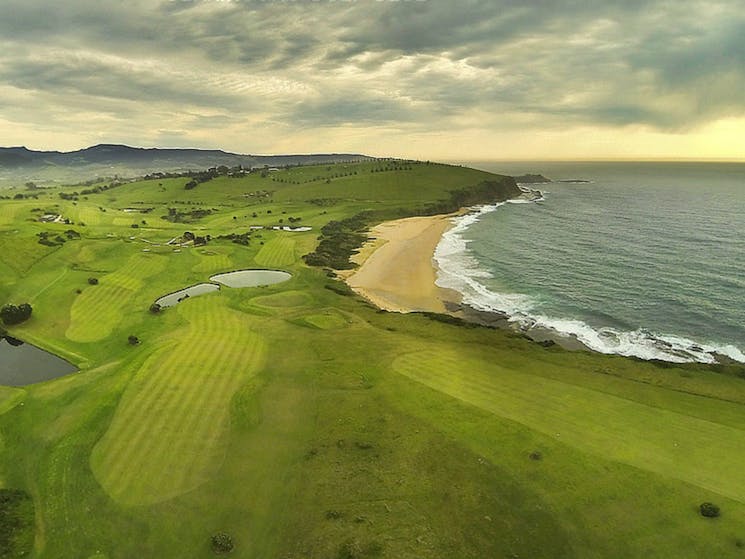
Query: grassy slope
[(308, 424)]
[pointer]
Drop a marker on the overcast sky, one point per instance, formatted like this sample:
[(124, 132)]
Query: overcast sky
[(446, 79)]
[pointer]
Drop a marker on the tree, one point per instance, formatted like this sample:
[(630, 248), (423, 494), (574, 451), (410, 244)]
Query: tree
[(155, 308), (222, 543), (133, 340), (93, 281), (709, 510), (12, 314)]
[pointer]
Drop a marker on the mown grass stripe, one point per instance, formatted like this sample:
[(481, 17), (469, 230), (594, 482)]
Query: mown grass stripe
[(213, 263), (277, 252), (158, 446), (647, 437)]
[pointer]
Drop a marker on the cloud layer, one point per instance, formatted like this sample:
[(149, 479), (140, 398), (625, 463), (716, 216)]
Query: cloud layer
[(384, 77)]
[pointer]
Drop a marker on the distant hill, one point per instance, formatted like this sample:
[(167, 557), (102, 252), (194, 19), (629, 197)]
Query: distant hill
[(163, 159), (17, 163)]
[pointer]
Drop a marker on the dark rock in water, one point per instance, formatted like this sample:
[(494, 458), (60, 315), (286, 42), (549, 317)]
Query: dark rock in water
[(532, 179), (483, 318), (532, 194)]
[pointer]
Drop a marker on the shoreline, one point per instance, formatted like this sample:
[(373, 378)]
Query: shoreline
[(396, 269), (397, 273)]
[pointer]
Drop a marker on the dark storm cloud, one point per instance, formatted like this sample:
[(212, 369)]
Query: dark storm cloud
[(420, 64)]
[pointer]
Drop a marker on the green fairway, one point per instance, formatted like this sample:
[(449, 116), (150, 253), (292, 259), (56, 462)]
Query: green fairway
[(157, 446), (99, 308), (309, 425), (278, 252), (614, 428)]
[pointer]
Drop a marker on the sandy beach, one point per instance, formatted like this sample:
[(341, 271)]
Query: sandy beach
[(397, 271)]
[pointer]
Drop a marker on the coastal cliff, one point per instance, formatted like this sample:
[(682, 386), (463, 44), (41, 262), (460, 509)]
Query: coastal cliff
[(500, 189), (339, 240)]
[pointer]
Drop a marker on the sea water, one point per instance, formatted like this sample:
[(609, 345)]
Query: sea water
[(643, 259)]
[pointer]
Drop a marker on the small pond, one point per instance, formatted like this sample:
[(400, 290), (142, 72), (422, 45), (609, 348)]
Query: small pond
[(251, 278), (239, 278), (22, 364), (178, 296)]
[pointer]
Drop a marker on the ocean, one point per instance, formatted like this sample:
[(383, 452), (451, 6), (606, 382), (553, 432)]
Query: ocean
[(644, 259)]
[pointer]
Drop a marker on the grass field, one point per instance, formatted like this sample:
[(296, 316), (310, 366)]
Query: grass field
[(309, 425), (276, 253), (157, 447)]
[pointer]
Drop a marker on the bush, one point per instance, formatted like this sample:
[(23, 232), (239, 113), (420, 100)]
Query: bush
[(133, 340), (222, 543), (709, 510), (16, 523), (155, 308), (12, 314), (93, 281)]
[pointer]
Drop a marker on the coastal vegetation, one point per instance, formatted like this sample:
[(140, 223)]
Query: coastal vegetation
[(296, 420)]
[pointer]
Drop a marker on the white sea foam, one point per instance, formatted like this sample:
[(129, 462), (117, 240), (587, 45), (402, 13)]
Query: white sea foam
[(460, 271)]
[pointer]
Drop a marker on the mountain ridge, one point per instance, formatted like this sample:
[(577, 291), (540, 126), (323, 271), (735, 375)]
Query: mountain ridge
[(161, 158)]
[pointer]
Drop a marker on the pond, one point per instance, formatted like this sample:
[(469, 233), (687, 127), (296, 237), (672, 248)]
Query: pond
[(178, 296), (22, 364), (251, 278), (239, 278)]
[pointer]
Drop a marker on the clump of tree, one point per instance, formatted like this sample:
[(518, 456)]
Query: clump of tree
[(238, 238), (709, 510), (176, 216), (12, 314), (222, 543), (339, 240), (50, 239)]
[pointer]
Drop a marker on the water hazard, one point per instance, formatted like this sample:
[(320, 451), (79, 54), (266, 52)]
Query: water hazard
[(236, 279), (22, 364)]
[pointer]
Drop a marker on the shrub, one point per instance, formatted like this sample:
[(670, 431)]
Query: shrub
[(155, 308), (93, 281), (222, 543), (12, 314), (16, 523), (133, 340), (350, 549), (709, 510)]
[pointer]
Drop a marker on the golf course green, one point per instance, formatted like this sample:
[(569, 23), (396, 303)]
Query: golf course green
[(307, 424)]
